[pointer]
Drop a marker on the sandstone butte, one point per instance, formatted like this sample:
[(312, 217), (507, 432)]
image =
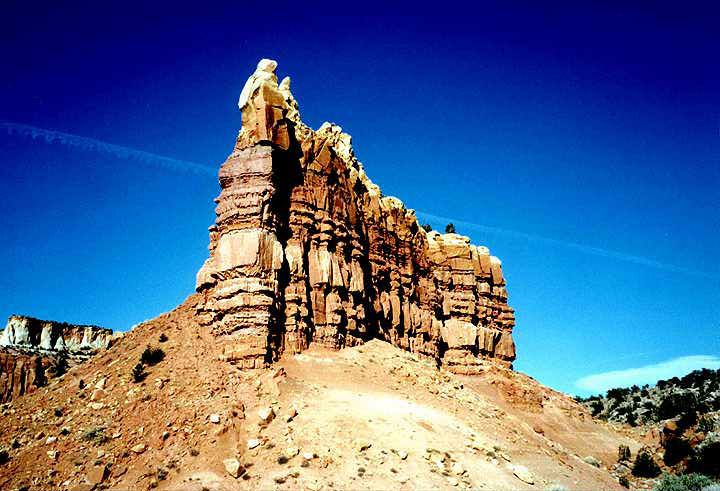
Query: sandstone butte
[(306, 249)]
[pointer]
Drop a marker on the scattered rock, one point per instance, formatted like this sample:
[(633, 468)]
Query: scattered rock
[(363, 445), (96, 474), (290, 414), (266, 415), (233, 467), (139, 448), (253, 443), (592, 461), (215, 418), (291, 452), (52, 454), (522, 473), (50, 440)]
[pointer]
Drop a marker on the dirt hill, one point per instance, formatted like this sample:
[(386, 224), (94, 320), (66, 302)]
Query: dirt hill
[(367, 417)]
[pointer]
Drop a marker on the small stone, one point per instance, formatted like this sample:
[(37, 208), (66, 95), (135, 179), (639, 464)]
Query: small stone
[(139, 448), (457, 469), (233, 467), (266, 415), (97, 474), (253, 443), (52, 454), (215, 418), (96, 405), (592, 461), (452, 481), (522, 473), (308, 455), (291, 452), (101, 383), (50, 440), (40, 436), (165, 435), (290, 414), (100, 453), (402, 454), (363, 445)]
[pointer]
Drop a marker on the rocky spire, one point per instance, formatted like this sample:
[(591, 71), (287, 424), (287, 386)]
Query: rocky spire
[(306, 249)]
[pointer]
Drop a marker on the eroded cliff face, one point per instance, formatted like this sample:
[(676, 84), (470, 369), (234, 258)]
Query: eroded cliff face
[(306, 249), (34, 350)]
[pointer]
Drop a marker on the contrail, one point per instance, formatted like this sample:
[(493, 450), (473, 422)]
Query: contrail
[(594, 251), (91, 144)]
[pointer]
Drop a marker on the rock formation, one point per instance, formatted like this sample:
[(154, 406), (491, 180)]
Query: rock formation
[(306, 249), (33, 350)]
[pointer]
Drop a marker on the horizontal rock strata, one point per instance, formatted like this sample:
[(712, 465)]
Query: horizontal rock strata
[(306, 249), (34, 350)]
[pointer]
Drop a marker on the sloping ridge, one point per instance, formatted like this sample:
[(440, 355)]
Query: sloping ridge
[(470, 432)]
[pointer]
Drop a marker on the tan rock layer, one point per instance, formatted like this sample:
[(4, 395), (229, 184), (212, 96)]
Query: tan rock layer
[(306, 248), (34, 350)]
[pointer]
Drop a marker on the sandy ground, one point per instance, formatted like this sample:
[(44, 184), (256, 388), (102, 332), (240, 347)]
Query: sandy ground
[(369, 417)]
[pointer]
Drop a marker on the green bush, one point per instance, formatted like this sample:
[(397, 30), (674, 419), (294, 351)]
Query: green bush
[(138, 372), (645, 465), (706, 459), (679, 403), (152, 356), (706, 424), (683, 482), (676, 449)]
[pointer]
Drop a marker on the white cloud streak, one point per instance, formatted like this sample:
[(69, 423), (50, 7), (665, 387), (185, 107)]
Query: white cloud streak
[(84, 143), (585, 249), (648, 374)]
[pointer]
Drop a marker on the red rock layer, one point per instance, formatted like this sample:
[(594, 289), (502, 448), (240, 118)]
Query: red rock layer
[(306, 249)]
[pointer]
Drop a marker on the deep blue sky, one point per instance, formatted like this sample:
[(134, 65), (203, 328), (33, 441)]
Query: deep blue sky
[(588, 124)]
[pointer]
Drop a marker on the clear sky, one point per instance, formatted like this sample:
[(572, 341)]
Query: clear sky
[(581, 143)]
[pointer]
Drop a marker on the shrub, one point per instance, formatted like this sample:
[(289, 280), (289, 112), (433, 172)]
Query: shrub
[(645, 465), (623, 453), (427, 227), (4, 456), (678, 403), (676, 449), (138, 372), (449, 228), (706, 459), (683, 482), (596, 407), (96, 435), (152, 356), (706, 424), (162, 338)]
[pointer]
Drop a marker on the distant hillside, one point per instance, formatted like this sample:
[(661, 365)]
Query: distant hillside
[(682, 416), (697, 393)]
